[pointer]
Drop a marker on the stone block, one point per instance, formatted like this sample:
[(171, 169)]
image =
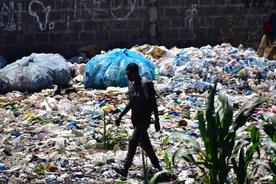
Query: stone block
[(10, 39), (172, 12), (103, 36), (41, 38), (134, 24)]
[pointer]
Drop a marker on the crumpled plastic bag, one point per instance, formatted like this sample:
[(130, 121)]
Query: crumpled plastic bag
[(35, 72), (108, 69), (3, 62)]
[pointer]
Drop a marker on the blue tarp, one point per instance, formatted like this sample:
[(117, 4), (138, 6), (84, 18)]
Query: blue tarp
[(105, 70)]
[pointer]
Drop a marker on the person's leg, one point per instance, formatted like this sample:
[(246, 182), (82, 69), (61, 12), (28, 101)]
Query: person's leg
[(146, 145), (132, 146)]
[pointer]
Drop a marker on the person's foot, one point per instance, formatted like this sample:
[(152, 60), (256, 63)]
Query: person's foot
[(158, 169), (122, 171)]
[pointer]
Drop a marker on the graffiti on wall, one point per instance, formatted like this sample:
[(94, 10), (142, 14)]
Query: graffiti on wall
[(191, 14), (41, 14), (118, 9), (258, 3), (10, 16), (11, 12), (100, 10)]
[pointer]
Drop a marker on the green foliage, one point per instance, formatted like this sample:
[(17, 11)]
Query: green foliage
[(88, 146), (110, 139), (161, 174), (129, 181), (218, 130), (60, 151), (145, 168), (167, 161), (246, 149), (269, 127), (165, 141)]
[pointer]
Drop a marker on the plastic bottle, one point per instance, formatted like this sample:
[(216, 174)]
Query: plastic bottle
[(2, 167), (18, 144), (39, 168), (156, 73)]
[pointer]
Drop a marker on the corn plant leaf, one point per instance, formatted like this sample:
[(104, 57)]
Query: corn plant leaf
[(240, 144), (247, 110), (156, 175), (183, 153), (211, 144), (270, 144), (225, 112), (210, 114), (241, 172), (188, 156), (255, 138), (130, 181), (269, 128), (187, 139), (250, 150), (272, 117), (254, 134), (202, 127), (165, 141), (167, 161), (227, 144), (210, 105), (271, 167)]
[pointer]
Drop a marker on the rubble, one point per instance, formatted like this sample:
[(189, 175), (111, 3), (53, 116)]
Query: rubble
[(55, 135)]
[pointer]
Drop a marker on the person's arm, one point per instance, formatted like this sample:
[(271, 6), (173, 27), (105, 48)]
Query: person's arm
[(153, 103), (127, 108)]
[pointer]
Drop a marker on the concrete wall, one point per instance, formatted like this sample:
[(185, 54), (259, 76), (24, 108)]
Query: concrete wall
[(63, 26)]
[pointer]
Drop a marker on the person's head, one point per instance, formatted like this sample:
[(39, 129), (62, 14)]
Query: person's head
[(132, 71)]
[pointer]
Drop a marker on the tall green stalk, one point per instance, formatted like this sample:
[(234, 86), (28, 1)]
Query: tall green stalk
[(218, 132), (145, 168), (104, 133)]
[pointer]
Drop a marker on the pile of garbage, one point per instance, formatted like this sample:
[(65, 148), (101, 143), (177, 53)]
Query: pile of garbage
[(55, 135)]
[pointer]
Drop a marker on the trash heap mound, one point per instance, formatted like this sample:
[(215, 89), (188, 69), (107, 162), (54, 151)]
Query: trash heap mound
[(106, 70), (68, 135), (35, 72)]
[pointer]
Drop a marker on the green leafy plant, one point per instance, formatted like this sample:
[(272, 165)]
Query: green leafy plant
[(110, 139), (268, 125), (218, 130), (129, 181), (246, 156), (167, 174), (145, 168), (104, 133), (166, 156)]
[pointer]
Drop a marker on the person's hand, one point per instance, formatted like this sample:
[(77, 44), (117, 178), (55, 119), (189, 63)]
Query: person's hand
[(157, 125), (117, 121)]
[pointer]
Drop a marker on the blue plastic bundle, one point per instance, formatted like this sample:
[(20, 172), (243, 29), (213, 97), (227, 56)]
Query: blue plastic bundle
[(106, 70), (35, 72), (3, 62)]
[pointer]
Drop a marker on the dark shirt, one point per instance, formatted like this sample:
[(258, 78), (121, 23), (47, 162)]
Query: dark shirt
[(141, 109), (272, 19)]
